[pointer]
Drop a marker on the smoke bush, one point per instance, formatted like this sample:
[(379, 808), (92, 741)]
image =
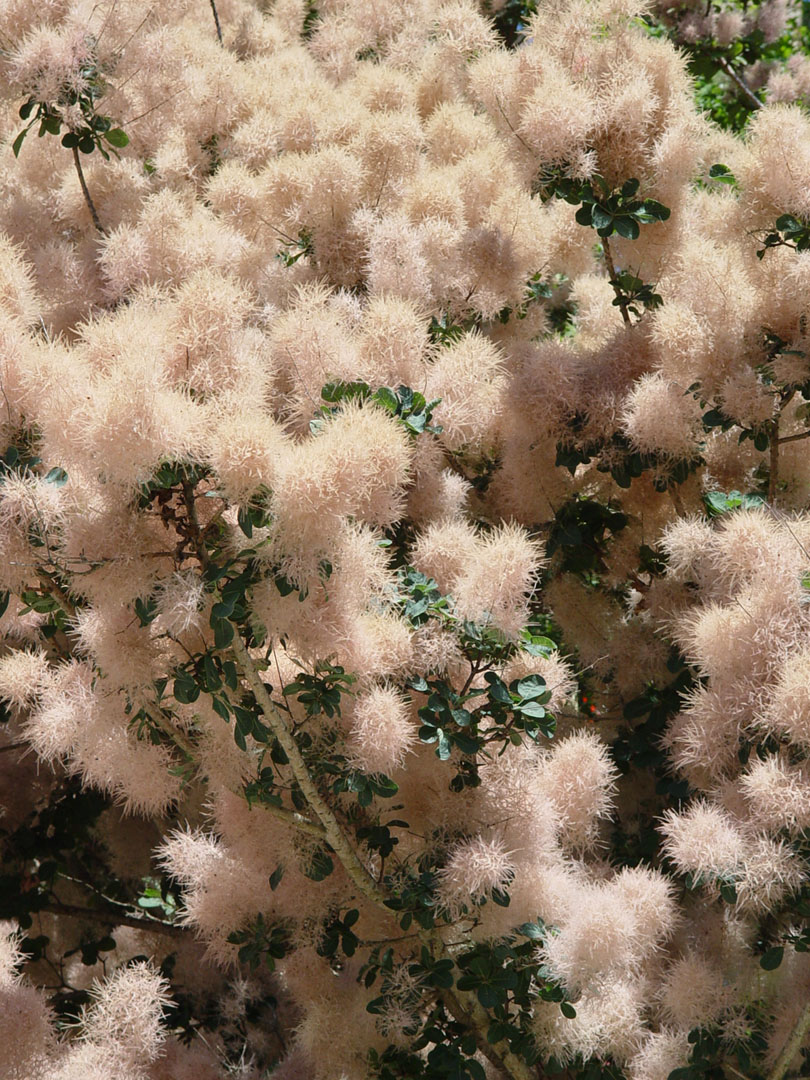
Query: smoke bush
[(405, 549)]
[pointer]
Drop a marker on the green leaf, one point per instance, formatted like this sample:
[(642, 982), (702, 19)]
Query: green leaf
[(244, 521), (276, 876), (772, 958), (653, 211), (70, 139), (185, 690), (722, 174), (221, 708), (532, 930), (532, 708), (56, 476), (116, 137), (498, 689), (626, 227), (16, 146), (533, 686), (600, 217), (568, 1010), (466, 743), (536, 645), (223, 633), (387, 398), (338, 391), (443, 748)]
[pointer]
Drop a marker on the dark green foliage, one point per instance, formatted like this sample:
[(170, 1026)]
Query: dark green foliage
[(789, 231), (580, 533), (606, 210), (631, 291), (722, 174), (511, 18), (617, 457), (408, 406), (338, 934), (709, 1051), (261, 941), (444, 332), (297, 249)]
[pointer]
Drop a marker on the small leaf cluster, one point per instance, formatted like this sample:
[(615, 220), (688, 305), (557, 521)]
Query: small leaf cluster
[(297, 249), (413, 892), (320, 692), (159, 898), (632, 291), (506, 977), (168, 480), (580, 532), (789, 231), (710, 1052), (338, 934), (539, 289), (720, 502), (444, 332), (638, 746), (617, 456), (506, 714), (261, 941), (419, 597), (608, 211), (722, 174), (760, 435), (451, 1056), (97, 131), (407, 406)]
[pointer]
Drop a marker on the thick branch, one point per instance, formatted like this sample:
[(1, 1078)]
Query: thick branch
[(112, 918), (791, 1047), (466, 1009), (463, 1003), (90, 204), (332, 830), (184, 744)]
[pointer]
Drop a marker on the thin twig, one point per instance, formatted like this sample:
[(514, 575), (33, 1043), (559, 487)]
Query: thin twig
[(14, 746), (773, 456), (677, 501), (216, 20), (794, 438), (613, 279), (90, 204), (740, 82)]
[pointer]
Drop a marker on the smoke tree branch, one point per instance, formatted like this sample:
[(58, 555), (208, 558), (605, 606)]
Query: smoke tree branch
[(85, 191)]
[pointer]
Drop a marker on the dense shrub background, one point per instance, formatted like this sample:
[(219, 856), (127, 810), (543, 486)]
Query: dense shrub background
[(403, 513)]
